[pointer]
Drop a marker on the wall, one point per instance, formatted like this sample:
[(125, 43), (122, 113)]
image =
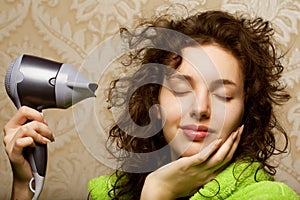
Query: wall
[(68, 31)]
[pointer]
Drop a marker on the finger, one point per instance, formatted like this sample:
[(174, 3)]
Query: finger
[(15, 150), (21, 143), (36, 126), (23, 115), (41, 129), (21, 140), (28, 131), (205, 152), (209, 149), (226, 151), (235, 144), (213, 146)]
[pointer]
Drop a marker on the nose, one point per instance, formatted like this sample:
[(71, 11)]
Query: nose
[(201, 107)]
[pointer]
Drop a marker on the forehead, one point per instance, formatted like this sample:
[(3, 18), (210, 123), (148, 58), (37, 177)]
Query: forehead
[(210, 62)]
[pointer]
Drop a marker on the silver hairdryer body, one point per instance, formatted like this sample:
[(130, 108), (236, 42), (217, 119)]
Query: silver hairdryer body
[(40, 83)]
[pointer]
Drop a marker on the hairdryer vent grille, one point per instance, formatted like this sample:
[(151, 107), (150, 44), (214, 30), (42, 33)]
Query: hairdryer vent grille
[(8, 77)]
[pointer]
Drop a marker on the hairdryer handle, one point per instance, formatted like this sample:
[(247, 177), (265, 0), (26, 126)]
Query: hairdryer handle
[(38, 163), (38, 160)]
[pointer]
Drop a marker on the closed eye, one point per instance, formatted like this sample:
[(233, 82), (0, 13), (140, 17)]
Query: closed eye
[(179, 85), (181, 93), (223, 97)]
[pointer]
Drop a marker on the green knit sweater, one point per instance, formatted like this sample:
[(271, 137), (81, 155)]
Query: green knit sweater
[(237, 181)]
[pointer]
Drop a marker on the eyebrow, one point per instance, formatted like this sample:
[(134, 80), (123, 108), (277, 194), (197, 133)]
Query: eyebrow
[(180, 76), (220, 82)]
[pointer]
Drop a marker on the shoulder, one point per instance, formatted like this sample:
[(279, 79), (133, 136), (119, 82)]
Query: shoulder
[(99, 187), (266, 190)]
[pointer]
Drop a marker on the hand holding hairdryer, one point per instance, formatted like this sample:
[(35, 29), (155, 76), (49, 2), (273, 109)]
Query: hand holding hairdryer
[(40, 84)]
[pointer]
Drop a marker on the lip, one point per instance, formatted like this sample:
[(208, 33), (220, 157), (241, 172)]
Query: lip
[(196, 132)]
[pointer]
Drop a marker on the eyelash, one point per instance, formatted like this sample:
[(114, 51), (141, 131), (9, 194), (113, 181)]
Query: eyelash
[(180, 93), (223, 98)]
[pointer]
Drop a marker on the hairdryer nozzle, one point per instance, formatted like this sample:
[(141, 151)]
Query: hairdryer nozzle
[(87, 87), (71, 87), (93, 87)]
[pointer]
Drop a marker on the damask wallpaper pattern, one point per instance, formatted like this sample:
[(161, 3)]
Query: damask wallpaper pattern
[(69, 31)]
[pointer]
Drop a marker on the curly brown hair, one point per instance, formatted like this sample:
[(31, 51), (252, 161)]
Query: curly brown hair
[(249, 40)]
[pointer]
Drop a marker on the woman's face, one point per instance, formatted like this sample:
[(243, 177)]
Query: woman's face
[(203, 100)]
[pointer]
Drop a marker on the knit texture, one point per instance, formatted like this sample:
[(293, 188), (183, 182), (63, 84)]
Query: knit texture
[(238, 181)]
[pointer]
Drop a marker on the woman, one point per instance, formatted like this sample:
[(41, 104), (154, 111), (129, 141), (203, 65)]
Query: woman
[(197, 118)]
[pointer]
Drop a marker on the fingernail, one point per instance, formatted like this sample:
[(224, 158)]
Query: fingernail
[(46, 140), (242, 128), (218, 142), (235, 134), (45, 122)]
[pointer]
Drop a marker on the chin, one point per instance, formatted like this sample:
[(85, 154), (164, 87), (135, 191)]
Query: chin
[(191, 150)]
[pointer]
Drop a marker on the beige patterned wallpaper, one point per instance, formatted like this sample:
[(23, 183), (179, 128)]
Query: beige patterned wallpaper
[(70, 30)]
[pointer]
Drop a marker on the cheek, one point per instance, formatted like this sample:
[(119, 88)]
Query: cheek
[(170, 110), (226, 117), (233, 116), (170, 107), (170, 113)]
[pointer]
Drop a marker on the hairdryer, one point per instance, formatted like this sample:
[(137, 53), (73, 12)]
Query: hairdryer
[(40, 83)]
